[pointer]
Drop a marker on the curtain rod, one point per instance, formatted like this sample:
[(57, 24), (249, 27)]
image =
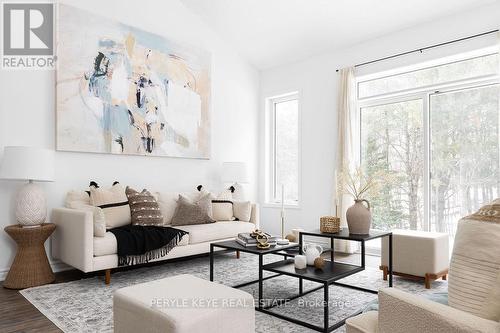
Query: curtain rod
[(425, 48)]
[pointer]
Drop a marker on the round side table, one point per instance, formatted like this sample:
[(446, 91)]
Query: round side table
[(30, 267)]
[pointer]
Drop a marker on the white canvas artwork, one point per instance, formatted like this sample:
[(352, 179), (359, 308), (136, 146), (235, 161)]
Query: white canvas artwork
[(122, 90)]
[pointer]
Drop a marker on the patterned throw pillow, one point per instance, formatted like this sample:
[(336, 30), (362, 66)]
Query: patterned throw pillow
[(190, 213), (144, 208), (114, 204)]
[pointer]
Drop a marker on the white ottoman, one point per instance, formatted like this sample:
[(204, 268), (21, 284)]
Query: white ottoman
[(183, 304), (417, 254)]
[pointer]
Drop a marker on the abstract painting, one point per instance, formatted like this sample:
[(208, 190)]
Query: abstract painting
[(122, 90)]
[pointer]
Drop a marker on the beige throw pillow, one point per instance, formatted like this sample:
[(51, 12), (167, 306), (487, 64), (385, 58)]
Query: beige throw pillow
[(474, 281), (97, 214), (242, 210), (190, 213), (144, 208), (114, 203), (222, 210)]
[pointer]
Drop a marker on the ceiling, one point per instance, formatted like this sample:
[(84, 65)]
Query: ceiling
[(270, 33)]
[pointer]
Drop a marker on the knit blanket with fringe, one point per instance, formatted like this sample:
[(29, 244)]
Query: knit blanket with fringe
[(141, 244)]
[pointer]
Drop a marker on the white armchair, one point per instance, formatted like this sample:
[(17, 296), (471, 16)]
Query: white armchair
[(473, 289), (401, 312)]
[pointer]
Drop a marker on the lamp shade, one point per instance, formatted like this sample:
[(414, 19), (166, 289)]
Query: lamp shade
[(27, 163), (234, 172)]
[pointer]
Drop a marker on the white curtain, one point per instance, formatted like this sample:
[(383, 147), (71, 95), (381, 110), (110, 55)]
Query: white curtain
[(347, 144)]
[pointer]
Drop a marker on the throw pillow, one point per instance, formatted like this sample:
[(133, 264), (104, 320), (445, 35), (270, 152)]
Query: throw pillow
[(224, 195), (474, 281), (222, 210), (168, 203), (97, 214), (114, 203), (144, 208), (190, 213), (74, 196), (242, 210)]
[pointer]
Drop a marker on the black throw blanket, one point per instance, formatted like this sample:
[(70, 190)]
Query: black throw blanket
[(140, 244)]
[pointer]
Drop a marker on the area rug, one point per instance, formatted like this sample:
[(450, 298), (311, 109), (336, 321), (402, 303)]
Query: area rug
[(86, 305)]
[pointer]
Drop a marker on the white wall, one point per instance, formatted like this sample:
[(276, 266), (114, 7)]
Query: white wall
[(27, 117), (316, 79)]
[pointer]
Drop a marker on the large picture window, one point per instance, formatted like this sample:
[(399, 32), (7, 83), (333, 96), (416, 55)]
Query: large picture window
[(435, 131)]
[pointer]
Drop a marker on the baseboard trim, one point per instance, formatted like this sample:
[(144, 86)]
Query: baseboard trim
[(56, 265)]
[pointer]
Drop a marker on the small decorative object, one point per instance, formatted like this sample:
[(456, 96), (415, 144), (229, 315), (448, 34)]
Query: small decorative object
[(319, 263), (312, 251), (261, 237), (329, 224), (300, 262), (262, 241), (283, 240), (291, 238), (31, 164), (358, 184), (235, 173)]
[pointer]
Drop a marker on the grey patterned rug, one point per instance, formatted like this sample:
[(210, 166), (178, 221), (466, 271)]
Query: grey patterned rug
[(86, 305)]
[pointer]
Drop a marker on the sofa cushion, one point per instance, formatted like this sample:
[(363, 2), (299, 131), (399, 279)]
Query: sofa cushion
[(220, 230), (107, 245)]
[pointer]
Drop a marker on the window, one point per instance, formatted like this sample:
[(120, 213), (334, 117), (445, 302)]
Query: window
[(283, 149), (435, 131)]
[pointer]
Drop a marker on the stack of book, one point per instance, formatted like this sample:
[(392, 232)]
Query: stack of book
[(247, 240)]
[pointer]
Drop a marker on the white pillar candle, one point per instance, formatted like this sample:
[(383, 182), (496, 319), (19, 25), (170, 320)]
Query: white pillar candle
[(300, 262)]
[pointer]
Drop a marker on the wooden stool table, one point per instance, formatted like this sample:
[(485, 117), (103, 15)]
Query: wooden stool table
[(30, 267)]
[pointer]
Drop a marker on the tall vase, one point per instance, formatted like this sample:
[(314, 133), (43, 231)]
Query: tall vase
[(359, 217)]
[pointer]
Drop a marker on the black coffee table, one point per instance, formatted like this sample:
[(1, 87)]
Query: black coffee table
[(233, 245), (329, 275)]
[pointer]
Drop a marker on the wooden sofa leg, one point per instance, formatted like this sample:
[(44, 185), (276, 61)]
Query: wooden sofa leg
[(385, 271), (427, 281), (107, 277), (444, 277), (237, 254)]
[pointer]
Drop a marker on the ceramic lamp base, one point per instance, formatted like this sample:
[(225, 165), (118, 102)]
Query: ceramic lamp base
[(31, 208)]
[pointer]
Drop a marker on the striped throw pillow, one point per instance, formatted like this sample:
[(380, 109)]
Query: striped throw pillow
[(143, 207)]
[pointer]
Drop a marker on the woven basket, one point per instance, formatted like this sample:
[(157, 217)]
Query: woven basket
[(329, 224)]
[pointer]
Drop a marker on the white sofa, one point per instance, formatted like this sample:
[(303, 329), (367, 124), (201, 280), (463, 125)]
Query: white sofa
[(74, 243)]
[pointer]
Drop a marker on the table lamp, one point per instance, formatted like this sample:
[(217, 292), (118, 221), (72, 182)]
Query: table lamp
[(31, 164), (235, 173)]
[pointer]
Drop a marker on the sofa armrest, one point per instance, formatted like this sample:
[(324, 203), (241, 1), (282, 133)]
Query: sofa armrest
[(400, 312), (255, 216), (73, 241)]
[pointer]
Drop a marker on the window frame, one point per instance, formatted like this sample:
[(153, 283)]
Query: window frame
[(425, 94), (270, 147)]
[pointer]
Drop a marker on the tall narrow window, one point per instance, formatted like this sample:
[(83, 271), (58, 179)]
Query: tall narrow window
[(284, 149)]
